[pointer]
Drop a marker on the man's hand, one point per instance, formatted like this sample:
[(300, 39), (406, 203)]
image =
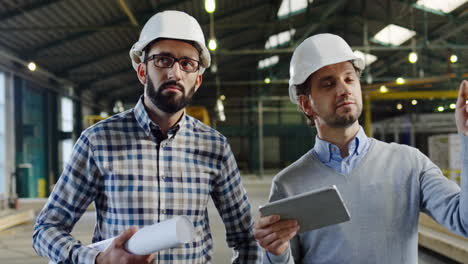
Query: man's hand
[(273, 234), (461, 111), (116, 252)]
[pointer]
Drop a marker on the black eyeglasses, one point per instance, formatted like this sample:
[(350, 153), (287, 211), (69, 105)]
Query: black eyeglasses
[(165, 61)]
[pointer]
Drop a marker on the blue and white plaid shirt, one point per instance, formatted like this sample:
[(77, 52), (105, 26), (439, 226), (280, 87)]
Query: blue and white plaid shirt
[(135, 177)]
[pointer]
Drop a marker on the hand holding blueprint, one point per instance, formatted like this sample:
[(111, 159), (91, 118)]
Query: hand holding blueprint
[(149, 239)]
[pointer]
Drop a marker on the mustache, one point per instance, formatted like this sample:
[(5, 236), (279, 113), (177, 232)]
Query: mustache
[(171, 83), (346, 100)]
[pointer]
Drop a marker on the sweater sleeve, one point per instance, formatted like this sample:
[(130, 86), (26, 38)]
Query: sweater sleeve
[(443, 199)]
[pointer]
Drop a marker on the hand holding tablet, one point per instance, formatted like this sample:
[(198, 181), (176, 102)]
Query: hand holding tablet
[(312, 210)]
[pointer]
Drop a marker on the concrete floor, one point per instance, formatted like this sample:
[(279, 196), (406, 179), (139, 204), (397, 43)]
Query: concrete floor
[(15, 243)]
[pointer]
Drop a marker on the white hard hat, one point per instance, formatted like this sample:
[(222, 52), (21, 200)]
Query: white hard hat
[(314, 53), (172, 25)]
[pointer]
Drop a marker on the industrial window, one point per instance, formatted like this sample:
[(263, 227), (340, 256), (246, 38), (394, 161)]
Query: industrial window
[(291, 8), (280, 39), (445, 6), (2, 133), (66, 127), (393, 35)]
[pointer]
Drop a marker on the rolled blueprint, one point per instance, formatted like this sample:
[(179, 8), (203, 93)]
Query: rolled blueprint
[(149, 239)]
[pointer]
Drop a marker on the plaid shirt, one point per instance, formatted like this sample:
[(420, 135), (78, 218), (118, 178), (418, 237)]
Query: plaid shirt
[(135, 177)]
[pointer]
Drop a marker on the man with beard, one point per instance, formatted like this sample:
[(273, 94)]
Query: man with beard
[(385, 186), (151, 163)]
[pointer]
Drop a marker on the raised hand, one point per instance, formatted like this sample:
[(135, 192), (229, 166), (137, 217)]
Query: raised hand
[(461, 111)]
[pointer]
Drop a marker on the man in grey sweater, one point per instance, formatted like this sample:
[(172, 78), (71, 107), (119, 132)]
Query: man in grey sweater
[(385, 186)]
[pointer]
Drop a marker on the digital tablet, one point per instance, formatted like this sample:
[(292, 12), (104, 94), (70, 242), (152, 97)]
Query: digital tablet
[(313, 210)]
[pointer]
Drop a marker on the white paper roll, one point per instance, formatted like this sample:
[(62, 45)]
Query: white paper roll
[(149, 239), (163, 235)]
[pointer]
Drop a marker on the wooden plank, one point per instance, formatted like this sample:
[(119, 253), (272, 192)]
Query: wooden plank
[(16, 219), (437, 238)]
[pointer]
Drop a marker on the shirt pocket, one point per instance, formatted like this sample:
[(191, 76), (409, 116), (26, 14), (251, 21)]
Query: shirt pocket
[(187, 192)]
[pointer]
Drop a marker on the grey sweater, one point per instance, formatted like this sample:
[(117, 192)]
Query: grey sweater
[(384, 193)]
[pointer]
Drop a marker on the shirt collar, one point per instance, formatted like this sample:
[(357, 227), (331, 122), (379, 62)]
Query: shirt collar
[(148, 126), (326, 150)]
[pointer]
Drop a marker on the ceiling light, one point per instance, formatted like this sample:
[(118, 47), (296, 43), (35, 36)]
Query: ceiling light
[(222, 97), (400, 80), (399, 106), (210, 6), (212, 45), (32, 66), (267, 80), (452, 106), (440, 108), (453, 58), (383, 89), (394, 35), (413, 57), (414, 102)]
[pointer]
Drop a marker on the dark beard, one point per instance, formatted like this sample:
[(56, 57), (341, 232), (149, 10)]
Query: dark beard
[(343, 122), (169, 103)]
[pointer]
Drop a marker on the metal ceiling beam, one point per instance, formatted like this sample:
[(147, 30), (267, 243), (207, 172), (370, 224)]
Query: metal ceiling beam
[(123, 5), (79, 35), (87, 84), (219, 17), (103, 91), (38, 4), (437, 40), (329, 10), (452, 94), (108, 55)]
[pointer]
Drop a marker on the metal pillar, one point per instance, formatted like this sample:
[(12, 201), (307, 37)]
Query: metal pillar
[(260, 137)]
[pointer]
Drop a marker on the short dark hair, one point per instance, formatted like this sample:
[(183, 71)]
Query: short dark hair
[(306, 87)]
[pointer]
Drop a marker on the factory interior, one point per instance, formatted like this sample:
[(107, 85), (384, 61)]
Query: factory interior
[(65, 66)]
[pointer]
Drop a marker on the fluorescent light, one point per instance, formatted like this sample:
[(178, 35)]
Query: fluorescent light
[(394, 35), (366, 57), (212, 45), (413, 57), (383, 89), (453, 58), (32, 66), (270, 61), (445, 6), (289, 7), (279, 39), (210, 6)]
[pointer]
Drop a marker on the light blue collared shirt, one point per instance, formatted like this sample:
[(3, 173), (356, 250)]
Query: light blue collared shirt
[(329, 154)]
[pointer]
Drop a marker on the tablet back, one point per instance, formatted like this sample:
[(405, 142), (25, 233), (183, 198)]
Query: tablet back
[(313, 210)]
